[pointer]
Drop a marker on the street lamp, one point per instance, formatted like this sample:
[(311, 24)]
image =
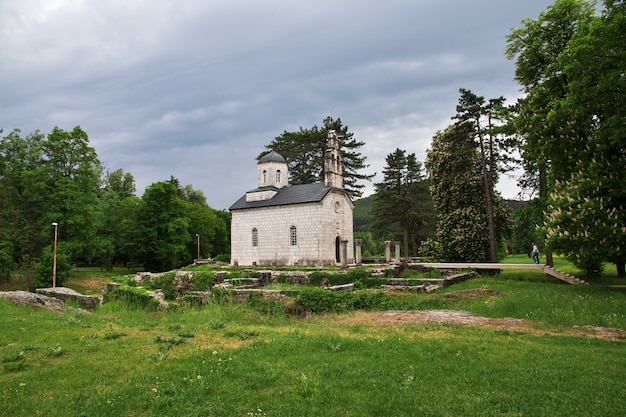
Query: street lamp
[(198, 236), (54, 257)]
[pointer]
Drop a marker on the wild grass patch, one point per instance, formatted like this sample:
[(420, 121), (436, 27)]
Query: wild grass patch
[(233, 359)]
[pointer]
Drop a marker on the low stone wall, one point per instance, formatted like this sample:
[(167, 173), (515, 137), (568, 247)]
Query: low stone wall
[(243, 295), (90, 302), (341, 288), (453, 279), (414, 288)]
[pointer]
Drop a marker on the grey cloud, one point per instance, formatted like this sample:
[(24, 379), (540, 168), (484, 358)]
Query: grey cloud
[(195, 89)]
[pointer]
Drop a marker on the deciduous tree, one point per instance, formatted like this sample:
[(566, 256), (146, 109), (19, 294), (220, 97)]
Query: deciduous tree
[(571, 63), (162, 228), (457, 188)]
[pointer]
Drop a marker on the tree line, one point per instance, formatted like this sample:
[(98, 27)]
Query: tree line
[(58, 178), (569, 131)]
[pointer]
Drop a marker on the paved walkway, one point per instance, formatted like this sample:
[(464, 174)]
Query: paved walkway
[(570, 279), (477, 265)]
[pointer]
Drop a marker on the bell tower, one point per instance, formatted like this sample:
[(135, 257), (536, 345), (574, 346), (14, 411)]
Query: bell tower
[(333, 167)]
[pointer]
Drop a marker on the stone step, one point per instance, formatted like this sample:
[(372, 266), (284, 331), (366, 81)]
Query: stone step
[(563, 276)]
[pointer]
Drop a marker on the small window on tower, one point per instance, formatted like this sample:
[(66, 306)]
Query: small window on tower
[(278, 176), (264, 177)]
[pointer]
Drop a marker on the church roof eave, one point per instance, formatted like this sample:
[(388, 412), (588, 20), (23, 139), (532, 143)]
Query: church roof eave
[(294, 194)]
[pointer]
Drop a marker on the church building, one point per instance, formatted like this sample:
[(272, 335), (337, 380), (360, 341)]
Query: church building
[(282, 224)]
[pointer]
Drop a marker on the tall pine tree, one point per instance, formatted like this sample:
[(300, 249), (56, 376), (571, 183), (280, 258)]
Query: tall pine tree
[(304, 152), (402, 207)]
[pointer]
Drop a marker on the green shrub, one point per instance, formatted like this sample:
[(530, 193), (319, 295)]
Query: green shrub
[(358, 274), (165, 283), (333, 279), (134, 297), (13, 356), (365, 283), (43, 267), (319, 300), (233, 275), (317, 277), (224, 257), (376, 301)]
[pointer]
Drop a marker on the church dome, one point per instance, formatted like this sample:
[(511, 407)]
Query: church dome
[(272, 156)]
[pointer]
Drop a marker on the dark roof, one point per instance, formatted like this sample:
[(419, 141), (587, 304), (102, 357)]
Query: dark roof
[(272, 156), (293, 194)]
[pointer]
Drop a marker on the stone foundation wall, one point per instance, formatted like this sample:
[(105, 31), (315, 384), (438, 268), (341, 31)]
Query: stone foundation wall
[(90, 302)]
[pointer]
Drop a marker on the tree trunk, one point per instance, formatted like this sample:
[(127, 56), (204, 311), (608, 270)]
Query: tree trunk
[(493, 251), (543, 194), (621, 268)]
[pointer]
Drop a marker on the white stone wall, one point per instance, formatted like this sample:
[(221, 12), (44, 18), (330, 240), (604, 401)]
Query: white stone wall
[(318, 224), (270, 169), (260, 195)]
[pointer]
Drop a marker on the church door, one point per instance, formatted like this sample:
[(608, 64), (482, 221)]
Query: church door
[(337, 249)]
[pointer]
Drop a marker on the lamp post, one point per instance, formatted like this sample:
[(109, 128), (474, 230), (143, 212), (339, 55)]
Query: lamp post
[(54, 256), (198, 237)]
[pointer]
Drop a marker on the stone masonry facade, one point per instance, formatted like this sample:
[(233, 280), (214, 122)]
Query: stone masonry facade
[(317, 227), (279, 224)]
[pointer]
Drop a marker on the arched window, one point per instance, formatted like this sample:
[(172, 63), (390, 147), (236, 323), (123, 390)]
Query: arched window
[(293, 236), (264, 177), (278, 176), (255, 237)]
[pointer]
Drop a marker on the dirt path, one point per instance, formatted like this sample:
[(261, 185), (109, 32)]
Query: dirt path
[(465, 318)]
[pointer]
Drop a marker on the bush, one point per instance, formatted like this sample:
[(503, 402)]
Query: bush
[(225, 258), (364, 283), (358, 274), (318, 300), (202, 281), (333, 279), (133, 297), (43, 268), (165, 283)]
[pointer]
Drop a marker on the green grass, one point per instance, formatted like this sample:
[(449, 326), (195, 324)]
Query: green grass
[(234, 361), (534, 295), (609, 271)]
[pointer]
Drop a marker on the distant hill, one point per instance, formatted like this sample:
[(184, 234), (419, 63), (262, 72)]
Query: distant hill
[(362, 213), (363, 208), (516, 204)]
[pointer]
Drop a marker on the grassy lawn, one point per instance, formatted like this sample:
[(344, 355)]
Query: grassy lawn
[(608, 276), (232, 360)]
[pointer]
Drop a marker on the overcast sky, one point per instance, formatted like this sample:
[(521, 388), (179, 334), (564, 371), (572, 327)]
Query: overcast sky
[(197, 88)]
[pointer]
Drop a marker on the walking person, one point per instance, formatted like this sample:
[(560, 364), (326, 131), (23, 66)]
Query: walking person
[(535, 253)]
